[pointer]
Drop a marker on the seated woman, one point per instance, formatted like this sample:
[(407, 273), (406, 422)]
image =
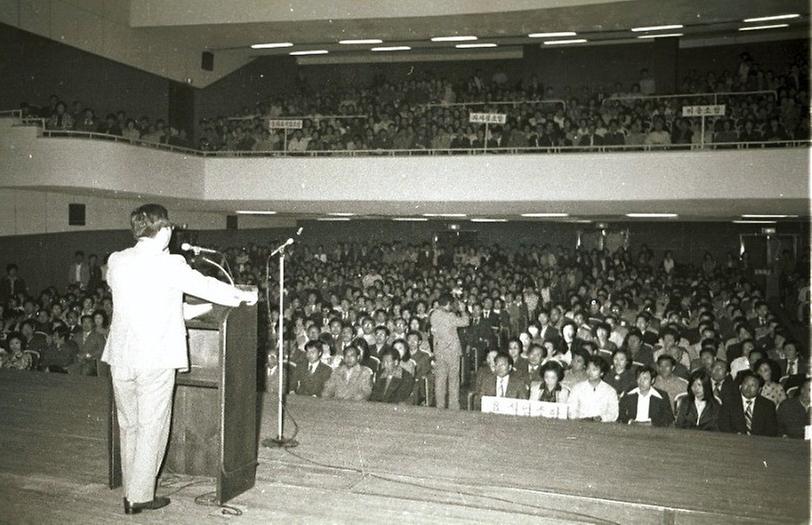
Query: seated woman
[(406, 361), (577, 371), (769, 372), (621, 376), (550, 390), (699, 409), (17, 358)]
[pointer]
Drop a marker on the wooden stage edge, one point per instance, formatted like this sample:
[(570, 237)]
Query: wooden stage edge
[(368, 463)]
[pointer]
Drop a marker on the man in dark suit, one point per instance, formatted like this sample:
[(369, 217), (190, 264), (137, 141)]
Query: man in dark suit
[(514, 350), (394, 384), (659, 413), (722, 383), (479, 333), (531, 367), (504, 382), (794, 414), (91, 345), (547, 332), (749, 413), (309, 380), (11, 284), (61, 353), (792, 363)]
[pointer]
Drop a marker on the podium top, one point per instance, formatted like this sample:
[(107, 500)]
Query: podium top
[(214, 318)]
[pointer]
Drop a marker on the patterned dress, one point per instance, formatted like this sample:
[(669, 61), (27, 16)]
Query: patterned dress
[(774, 392)]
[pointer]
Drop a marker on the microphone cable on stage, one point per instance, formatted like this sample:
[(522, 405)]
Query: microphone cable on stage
[(207, 499), (582, 517)]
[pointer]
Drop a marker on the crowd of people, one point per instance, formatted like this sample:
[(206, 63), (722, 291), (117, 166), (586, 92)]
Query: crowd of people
[(623, 336), (58, 116), (432, 113), (425, 112)]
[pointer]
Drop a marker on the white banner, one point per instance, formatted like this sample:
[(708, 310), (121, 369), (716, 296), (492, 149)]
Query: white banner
[(487, 118), (717, 110), (523, 407), (285, 124)]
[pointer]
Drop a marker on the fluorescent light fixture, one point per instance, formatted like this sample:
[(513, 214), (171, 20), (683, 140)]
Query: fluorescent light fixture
[(546, 214), (767, 216), (452, 38), (483, 219), (661, 35), (474, 46), (391, 48), (272, 45), (768, 18), (333, 219), (409, 219), (579, 221), (657, 28), (361, 41), (755, 222), (341, 214), (444, 215), (310, 52), (255, 212), (650, 215), (756, 28), (556, 34), (558, 42)]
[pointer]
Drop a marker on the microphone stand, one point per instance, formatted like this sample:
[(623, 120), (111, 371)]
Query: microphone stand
[(280, 440)]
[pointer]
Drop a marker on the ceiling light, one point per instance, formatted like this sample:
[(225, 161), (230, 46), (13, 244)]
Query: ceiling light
[(756, 28), (661, 35), (409, 219), (391, 48), (444, 215), (255, 212), (472, 46), (552, 35), (754, 222), (767, 216), (579, 221), (650, 215), (336, 219), (361, 41), (310, 52), (272, 45), (546, 214), (482, 219), (768, 18), (452, 38), (341, 214), (657, 28), (573, 41)]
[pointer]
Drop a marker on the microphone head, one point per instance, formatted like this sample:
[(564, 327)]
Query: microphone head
[(186, 247), (299, 231), (289, 241)]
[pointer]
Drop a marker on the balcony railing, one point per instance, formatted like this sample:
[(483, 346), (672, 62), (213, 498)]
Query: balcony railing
[(52, 133)]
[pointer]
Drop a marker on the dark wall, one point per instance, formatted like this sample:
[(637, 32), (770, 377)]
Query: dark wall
[(43, 259), (33, 67), (775, 56)]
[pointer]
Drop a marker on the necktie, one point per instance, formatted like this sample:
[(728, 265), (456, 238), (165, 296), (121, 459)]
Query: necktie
[(748, 416), (717, 390), (503, 388)]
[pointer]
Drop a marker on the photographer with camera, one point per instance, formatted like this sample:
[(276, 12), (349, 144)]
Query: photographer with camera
[(445, 320)]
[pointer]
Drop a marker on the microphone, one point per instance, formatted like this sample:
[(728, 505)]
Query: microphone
[(282, 246), (186, 247)]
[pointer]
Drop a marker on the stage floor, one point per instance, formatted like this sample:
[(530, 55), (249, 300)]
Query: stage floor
[(371, 463)]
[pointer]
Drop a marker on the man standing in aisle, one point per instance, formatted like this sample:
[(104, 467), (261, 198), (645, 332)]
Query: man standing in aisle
[(147, 343), (445, 321)]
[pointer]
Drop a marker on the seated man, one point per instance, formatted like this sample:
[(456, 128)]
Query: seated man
[(593, 399), (349, 381), (423, 366), (532, 366), (646, 405), (667, 381), (309, 379), (60, 355), (721, 382), (394, 384), (794, 414), (91, 346), (504, 382), (749, 413)]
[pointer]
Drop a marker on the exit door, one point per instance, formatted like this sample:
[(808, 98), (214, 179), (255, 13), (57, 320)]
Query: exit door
[(766, 252)]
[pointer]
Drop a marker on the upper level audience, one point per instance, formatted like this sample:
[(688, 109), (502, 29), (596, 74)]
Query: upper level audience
[(620, 336), (426, 112)]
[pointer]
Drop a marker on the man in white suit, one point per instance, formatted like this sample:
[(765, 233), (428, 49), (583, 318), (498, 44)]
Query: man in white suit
[(147, 343)]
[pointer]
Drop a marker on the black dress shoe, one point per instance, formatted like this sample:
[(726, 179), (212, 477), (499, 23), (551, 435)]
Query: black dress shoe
[(158, 502)]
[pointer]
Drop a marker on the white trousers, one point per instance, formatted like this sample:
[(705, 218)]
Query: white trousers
[(144, 407)]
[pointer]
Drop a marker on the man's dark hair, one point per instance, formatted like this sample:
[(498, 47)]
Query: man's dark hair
[(517, 341), (391, 352), (62, 332), (147, 220), (599, 362), (744, 374), (554, 366), (504, 355), (316, 343), (444, 299), (79, 253), (11, 266), (645, 369), (666, 357)]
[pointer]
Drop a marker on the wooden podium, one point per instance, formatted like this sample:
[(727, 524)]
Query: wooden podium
[(214, 418)]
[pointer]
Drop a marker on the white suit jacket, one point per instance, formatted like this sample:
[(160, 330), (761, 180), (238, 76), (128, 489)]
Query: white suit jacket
[(148, 329)]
